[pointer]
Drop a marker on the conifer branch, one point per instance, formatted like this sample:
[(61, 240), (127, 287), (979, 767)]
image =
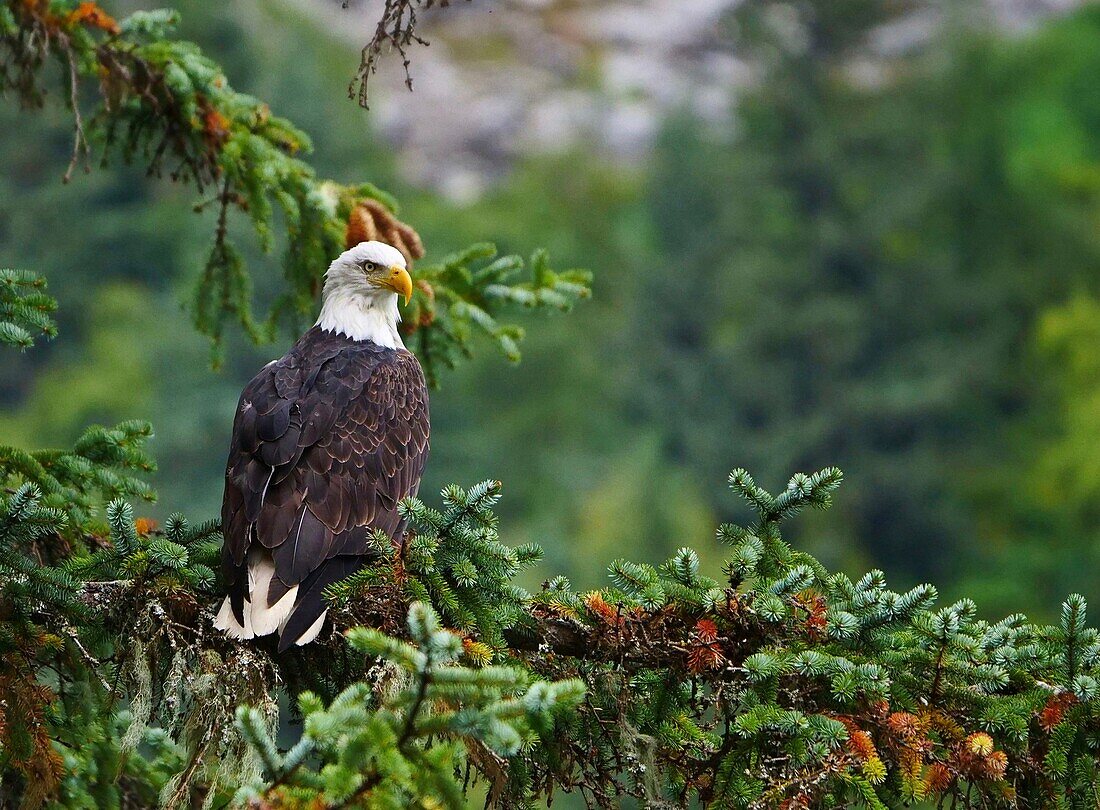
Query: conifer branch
[(161, 103)]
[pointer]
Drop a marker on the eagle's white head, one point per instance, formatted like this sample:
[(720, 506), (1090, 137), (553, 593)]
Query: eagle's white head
[(360, 294)]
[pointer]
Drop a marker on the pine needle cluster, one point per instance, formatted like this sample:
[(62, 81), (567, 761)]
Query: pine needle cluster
[(26, 309), (454, 560), (464, 294), (788, 686), (400, 744)]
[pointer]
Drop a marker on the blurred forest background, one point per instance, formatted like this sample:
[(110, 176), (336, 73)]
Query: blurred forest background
[(863, 233)]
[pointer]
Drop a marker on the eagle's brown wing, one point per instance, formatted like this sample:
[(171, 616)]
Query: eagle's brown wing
[(326, 442)]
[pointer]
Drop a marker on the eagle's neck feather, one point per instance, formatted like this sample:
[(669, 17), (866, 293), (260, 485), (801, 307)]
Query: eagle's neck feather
[(362, 317)]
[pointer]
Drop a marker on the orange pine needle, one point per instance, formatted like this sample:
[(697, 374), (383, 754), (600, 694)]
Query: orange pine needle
[(91, 15)]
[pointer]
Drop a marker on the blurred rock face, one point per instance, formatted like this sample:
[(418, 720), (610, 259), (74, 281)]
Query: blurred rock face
[(504, 78)]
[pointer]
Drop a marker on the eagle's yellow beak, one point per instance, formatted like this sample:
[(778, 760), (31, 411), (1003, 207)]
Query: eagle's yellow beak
[(400, 282)]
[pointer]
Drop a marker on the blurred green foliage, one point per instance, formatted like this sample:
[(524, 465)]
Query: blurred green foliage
[(898, 277)]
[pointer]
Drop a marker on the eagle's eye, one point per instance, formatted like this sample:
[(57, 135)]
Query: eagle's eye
[(369, 266)]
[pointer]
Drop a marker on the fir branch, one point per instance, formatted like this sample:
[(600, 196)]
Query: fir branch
[(25, 309), (161, 103)]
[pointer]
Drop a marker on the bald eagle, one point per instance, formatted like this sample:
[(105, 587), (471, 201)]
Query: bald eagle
[(326, 442)]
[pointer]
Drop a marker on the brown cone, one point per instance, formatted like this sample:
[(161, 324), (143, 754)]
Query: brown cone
[(370, 220)]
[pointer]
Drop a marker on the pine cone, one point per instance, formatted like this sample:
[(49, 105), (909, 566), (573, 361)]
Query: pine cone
[(370, 220)]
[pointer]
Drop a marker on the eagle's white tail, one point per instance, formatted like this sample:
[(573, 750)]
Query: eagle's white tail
[(310, 634), (265, 620), (226, 621), (259, 619)]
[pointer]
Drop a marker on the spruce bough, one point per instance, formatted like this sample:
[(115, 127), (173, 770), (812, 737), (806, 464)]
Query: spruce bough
[(772, 683)]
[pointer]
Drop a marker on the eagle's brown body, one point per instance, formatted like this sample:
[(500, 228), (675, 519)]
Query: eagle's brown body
[(326, 442)]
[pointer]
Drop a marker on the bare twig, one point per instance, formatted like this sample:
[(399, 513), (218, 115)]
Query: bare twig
[(81, 150), (89, 659), (397, 28)]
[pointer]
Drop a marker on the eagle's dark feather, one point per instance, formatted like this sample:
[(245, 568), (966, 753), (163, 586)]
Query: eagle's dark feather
[(326, 442)]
